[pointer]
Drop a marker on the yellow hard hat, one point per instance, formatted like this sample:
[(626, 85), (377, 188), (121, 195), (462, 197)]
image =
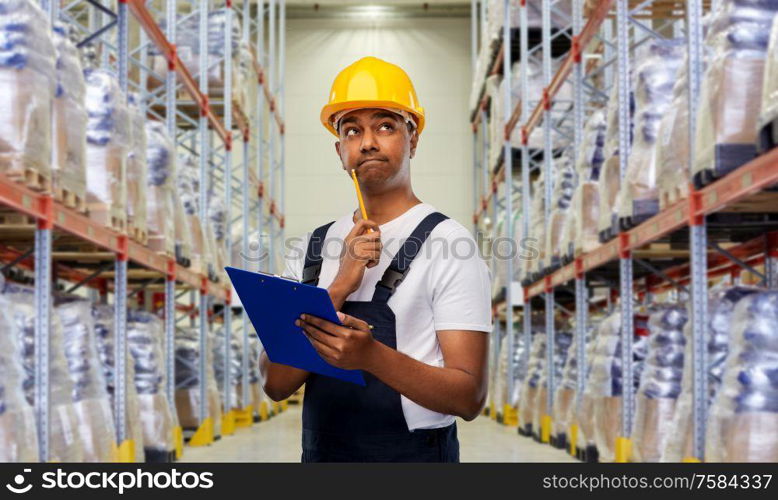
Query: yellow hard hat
[(372, 83)]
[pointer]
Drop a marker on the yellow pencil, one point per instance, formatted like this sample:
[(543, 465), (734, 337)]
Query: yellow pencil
[(359, 197)]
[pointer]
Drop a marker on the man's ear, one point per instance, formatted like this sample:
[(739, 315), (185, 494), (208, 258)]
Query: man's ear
[(414, 142), (337, 150)]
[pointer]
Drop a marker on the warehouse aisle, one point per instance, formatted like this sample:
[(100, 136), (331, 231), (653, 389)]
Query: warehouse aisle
[(278, 440)]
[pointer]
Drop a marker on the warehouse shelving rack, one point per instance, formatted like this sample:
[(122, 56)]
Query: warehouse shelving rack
[(685, 222), (192, 124)]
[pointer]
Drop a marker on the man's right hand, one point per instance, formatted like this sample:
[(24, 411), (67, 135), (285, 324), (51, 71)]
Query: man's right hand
[(361, 250)]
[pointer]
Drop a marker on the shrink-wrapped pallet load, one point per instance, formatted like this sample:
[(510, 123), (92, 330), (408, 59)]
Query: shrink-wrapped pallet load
[(255, 378), (18, 437), (90, 397), (27, 85), (188, 381), (188, 189), (160, 193), (217, 228), (731, 87), (530, 386), (605, 384), (660, 384), (562, 341), (65, 444), (68, 122), (655, 75), (144, 338), (137, 172), (103, 318), (768, 114), (581, 232), (108, 141), (233, 369), (584, 410), (717, 340), (744, 413), (537, 234), (565, 396), (673, 147), (565, 183), (188, 48)]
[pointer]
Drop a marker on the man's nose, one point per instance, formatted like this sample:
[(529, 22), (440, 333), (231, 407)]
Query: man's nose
[(369, 142)]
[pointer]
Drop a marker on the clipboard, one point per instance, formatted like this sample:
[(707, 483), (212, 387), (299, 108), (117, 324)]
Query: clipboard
[(273, 304)]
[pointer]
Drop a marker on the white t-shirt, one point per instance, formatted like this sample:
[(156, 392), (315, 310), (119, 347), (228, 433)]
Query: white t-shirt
[(446, 288)]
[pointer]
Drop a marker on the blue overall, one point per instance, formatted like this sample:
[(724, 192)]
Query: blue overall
[(343, 422)]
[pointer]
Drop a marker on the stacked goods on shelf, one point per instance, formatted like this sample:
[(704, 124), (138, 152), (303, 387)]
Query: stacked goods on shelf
[(581, 231), (721, 305), (565, 183), (144, 338), (137, 172), (494, 92), (188, 49), (565, 395), (744, 413), (660, 383), (103, 317), (108, 141), (532, 265), (655, 75), (605, 384), (232, 371), (27, 80), (584, 411), (673, 149), (562, 341), (188, 189), (490, 38), (247, 76), (65, 441), (530, 386), (255, 382), (160, 193), (726, 132), (90, 397), (609, 184), (18, 439), (503, 248), (68, 119), (768, 114), (216, 232), (188, 380)]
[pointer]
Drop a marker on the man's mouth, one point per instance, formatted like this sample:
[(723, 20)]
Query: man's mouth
[(371, 161)]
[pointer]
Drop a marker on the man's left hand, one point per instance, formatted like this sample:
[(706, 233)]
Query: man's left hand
[(350, 346)]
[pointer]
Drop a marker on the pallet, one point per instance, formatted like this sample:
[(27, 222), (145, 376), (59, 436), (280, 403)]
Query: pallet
[(70, 199), (671, 195), (137, 234), (108, 216), (160, 244), (12, 218), (727, 158), (31, 178)]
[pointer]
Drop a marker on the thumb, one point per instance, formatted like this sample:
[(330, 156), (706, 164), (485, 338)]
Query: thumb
[(352, 322)]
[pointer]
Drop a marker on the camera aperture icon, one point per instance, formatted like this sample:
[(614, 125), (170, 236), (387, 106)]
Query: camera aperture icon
[(19, 481)]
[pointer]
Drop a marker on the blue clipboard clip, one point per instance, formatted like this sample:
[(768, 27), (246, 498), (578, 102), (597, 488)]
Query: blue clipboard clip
[(273, 303)]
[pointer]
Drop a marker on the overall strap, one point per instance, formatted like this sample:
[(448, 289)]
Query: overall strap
[(401, 263), (313, 258)]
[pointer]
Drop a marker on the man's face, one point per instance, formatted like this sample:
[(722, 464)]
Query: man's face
[(378, 145)]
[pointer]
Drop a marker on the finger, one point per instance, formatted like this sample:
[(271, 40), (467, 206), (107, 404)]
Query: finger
[(328, 353), (352, 322), (327, 327), (321, 336), (362, 226)]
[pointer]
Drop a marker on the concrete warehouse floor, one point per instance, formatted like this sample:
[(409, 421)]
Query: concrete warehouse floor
[(278, 440)]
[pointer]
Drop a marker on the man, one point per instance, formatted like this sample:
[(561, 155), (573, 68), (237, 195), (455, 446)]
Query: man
[(411, 291)]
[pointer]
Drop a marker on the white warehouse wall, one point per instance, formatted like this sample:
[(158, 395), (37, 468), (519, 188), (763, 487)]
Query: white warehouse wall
[(436, 54)]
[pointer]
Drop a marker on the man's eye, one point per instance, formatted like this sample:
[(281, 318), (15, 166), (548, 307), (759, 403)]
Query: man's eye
[(386, 126), (351, 132)]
